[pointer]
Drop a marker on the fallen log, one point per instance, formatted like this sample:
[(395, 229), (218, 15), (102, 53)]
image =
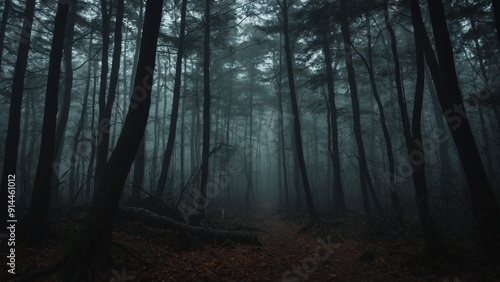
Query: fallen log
[(205, 233)]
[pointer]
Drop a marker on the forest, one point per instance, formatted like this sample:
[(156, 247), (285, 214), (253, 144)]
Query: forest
[(233, 140)]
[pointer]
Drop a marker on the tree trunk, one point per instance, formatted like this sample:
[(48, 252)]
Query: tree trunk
[(3, 25), (93, 150), (356, 111), (160, 188), (484, 204), (338, 192), (249, 150), (66, 98), (14, 124), (206, 234), (431, 237), (103, 124), (89, 256), (81, 123), (395, 201), (296, 121), (157, 119), (183, 125), (35, 225), (139, 164), (281, 126), (496, 12), (206, 107), (445, 182)]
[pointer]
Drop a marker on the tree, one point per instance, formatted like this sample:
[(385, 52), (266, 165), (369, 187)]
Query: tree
[(103, 123), (415, 147), (484, 204), (313, 215), (175, 105), (206, 106), (80, 126), (3, 25), (368, 62), (338, 192), (14, 124), (66, 97), (89, 253), (35, 225), (281, 131), (496, 12), (363, 169)]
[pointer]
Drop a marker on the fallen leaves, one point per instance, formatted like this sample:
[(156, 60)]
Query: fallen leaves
[(283, 250)]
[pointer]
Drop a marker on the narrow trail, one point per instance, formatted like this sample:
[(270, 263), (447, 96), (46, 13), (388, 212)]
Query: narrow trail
[(320, 254), (285, 255), (303, 256)]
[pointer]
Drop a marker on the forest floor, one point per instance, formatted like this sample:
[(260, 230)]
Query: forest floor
[(335, 251)]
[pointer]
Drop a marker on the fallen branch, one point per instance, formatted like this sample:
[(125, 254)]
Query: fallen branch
[(166, 222), (131, 252)]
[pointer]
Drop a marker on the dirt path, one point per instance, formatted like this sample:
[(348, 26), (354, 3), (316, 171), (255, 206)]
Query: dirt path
[(285, 254)]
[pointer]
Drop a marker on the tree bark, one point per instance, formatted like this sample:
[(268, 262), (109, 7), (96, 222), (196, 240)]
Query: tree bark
[(160, 188), (35, 225), (356, 111), (496, 12), (14, 123), (338, 192), (431, 237), (250, 149), (3, 25), (484, 204), (206, 107), (103, 124), (139, 164), (313, 215), (81, 123), (395, 201), (89, 255), (207, 234), (66, 98)]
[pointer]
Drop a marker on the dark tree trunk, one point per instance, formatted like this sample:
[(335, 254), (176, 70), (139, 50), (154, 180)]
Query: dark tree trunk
[(206, 106), (395, 201), (431, 240), (496, 12), (157, 120), (139, 164), (212, 235), (228, 119), (103, 124), (183, 125), (14, 124), (3, 25), (140, 156), (445, 183), (75, 153), (296, 121), (346, 34), (281, 126), (89, 255), (338, 192), (66, 99), (160, 188), (282, 140), (35, 225), (90, 168), (250, 149), (484, 204)]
